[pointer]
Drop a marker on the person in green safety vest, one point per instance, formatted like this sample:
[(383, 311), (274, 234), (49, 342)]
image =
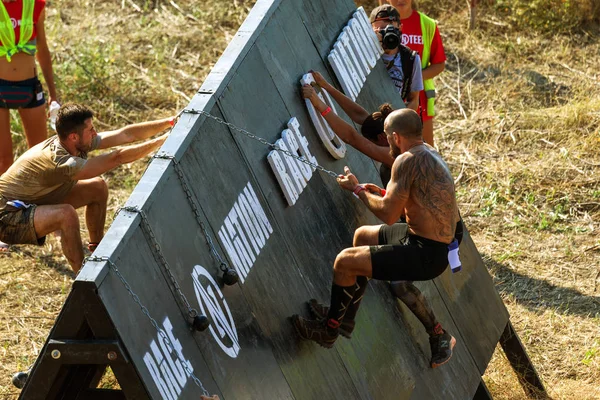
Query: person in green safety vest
[(20, 87), (22, 40), (420, 33)]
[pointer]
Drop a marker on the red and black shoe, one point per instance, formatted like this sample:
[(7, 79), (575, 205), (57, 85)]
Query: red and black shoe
[(441, 348), (320, 311), (322, 332)]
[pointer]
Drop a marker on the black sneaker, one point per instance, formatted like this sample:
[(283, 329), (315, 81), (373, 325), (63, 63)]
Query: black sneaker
[(441, 348), (319, 311), (314, 330)]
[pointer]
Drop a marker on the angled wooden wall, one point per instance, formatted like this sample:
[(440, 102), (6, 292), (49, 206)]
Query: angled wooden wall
[(255, 85)]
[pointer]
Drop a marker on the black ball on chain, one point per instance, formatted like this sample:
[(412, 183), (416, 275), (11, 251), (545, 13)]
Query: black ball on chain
[(19, 379), (201, 323), (230, 277)]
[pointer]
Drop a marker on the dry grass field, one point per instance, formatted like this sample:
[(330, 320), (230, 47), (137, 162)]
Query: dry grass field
[(519, 123)]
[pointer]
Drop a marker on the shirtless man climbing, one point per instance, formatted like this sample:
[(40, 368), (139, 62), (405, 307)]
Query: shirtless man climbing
[(422, 188)]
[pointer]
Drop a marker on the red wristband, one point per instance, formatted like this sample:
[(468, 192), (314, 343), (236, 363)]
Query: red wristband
[(382, 192), (327, 111), (358, 189), (172, 122)]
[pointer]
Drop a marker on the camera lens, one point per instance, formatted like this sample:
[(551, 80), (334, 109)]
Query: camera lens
[(390, 37)]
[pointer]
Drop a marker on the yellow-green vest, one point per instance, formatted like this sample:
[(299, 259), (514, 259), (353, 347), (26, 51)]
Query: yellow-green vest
[(428, 31), (7, 32)]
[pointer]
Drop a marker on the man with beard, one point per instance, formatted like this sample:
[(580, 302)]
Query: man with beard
[(41, 191), (422, 188)]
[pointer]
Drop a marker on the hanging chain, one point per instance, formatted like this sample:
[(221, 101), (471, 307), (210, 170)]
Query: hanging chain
[(261, 140), (191, 311), (161, 332), (223, 265)]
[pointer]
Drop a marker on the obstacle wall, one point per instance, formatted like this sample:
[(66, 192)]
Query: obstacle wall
[(210, 179)]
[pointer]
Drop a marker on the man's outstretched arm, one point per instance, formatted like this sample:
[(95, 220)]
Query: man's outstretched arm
[(105, 162), (133, 133), (387, 208)]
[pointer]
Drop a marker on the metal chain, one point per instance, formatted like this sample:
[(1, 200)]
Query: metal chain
[(261, 140), (161, 332), (223, 265), (192, 312)]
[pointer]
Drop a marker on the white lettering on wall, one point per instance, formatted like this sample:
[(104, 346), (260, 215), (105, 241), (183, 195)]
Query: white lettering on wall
[(334, 145), (245, 231), (360, 38), (342, 46), (213, 305), (355, 54), (292, 174), (165, 363)]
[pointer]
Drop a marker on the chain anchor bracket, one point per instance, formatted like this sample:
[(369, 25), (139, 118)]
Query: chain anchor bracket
[(229, 275)]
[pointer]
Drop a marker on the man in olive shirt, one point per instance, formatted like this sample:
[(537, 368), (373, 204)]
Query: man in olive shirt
[(41, 190)]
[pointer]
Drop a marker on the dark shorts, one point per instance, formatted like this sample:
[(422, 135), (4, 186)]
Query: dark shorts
[(404, 257), (21, 94), (16, 226)]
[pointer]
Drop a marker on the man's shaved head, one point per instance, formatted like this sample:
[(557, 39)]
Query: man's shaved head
[(405, 122)]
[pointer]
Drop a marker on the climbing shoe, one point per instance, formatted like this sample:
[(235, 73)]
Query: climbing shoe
[(322, 332), (441, 348), (319, 312)]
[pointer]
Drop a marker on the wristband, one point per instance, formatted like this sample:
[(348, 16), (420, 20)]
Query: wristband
[(358, 189), (326, 111), (172, 122), (382, 192)]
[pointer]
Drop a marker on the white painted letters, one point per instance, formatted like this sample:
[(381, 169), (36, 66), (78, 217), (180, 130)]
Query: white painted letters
[(213, 305), (355, 54), (245, 231), (334, 145), (292, 175), (164, 362)]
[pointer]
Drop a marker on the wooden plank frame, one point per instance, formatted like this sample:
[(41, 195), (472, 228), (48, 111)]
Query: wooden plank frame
[(212, 191)]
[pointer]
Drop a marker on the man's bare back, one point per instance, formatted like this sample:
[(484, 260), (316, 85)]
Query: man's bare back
[(430, 209)]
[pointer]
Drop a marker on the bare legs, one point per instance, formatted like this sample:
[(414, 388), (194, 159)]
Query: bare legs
[(6, 154), (34, 124), (61, 217), (408, 293), (428, 131), (91, 193)]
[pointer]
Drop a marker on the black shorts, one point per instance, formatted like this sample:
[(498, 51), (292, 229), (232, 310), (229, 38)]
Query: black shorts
[(404, 257), (21, 94)]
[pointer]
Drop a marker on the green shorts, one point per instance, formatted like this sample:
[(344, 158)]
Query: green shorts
[(16, 226)]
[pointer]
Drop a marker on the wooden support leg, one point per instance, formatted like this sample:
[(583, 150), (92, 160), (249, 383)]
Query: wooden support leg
[(519, 360), (482, 392)]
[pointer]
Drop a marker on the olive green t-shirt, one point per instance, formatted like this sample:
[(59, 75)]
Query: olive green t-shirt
[(43, 174)]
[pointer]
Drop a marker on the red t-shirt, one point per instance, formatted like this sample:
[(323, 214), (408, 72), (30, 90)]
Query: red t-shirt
[(15, 12), (413, 39)]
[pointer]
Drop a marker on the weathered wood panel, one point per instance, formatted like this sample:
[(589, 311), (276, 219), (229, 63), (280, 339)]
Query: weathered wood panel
[(284, 254), (474, 303)]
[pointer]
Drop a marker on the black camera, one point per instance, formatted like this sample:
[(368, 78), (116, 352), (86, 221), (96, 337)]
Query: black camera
[(390, 37)]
